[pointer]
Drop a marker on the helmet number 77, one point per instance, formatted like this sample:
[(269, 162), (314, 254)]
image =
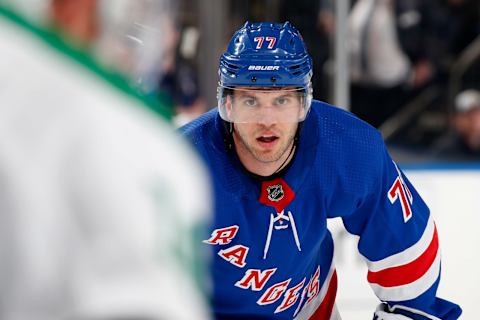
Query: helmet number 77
[(259, 40)]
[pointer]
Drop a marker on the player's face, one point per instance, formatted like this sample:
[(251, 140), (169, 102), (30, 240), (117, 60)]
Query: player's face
[(268, 137)]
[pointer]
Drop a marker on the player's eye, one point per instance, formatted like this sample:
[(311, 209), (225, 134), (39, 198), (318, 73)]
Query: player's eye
[(281, 101), (250, 102)]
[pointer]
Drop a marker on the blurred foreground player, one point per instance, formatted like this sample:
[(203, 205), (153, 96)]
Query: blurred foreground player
[(93, 218)]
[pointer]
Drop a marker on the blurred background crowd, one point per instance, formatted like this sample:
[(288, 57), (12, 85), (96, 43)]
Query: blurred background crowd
[(413, 65)]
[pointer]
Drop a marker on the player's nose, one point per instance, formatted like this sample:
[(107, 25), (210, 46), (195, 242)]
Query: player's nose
[(267, 115)]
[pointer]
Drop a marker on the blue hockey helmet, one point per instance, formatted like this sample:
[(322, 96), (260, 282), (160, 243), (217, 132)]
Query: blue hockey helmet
[(265, 56)]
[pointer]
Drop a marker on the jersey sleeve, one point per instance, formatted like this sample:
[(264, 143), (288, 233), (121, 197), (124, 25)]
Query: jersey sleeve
[(400, 244)]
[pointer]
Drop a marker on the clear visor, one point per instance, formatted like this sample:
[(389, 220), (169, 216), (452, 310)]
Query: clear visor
[(263, 105)]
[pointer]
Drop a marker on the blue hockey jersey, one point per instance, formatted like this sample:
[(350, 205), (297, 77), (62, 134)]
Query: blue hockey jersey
[(272, 251)]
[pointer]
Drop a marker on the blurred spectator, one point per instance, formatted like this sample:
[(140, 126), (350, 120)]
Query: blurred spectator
[(315, 21), (398, 48), (460, 25), (391, 57), (179, 80), (76, 19), (466, 120), (462, 141), (142, 37), (93, 218)]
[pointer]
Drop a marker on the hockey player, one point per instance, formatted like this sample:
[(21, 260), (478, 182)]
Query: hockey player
[(93, 222), (283, 164)]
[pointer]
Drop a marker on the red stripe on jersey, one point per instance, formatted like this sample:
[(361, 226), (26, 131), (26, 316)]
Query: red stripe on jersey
[(324, 311), (408, 273)]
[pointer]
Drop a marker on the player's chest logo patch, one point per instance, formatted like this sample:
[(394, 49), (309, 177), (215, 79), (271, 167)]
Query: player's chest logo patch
[(275, 192), (278, 194)]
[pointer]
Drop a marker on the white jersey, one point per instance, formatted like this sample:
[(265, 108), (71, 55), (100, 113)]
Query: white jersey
[(99, 200)]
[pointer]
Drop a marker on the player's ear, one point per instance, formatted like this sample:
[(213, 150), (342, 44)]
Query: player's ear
[(229, 106), (302, 111)]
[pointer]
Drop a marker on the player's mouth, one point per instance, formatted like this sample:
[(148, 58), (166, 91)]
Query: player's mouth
[(267, 141)]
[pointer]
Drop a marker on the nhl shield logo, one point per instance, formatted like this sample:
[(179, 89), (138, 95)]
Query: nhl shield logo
[(275, 192)]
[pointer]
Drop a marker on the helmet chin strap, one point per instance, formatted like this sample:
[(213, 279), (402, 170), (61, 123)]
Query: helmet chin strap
[(292, 149), (228, 139)]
